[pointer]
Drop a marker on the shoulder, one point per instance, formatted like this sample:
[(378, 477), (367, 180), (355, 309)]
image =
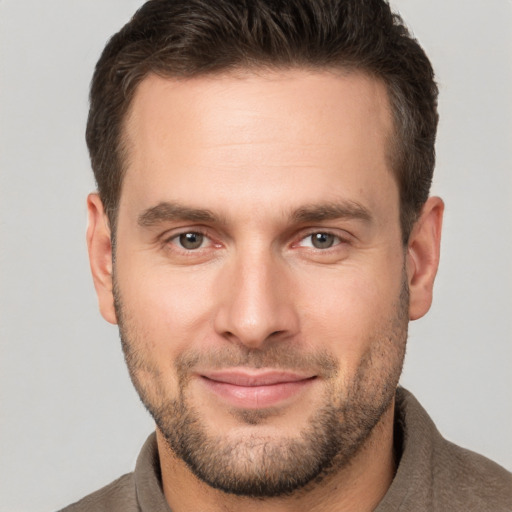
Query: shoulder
[(472, 479), (437, 475), (132, 492), (119, 495)]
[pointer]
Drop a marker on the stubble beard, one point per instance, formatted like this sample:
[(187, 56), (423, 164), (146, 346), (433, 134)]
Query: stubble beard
[(260, 466)]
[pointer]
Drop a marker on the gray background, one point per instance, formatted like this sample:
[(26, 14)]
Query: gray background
[(69, 419)]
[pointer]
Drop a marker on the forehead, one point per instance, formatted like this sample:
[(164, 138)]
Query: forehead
[(239, 97), (303, 130)]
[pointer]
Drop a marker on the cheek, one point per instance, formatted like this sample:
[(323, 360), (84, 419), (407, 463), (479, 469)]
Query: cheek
[(346, 311), (170, 309)]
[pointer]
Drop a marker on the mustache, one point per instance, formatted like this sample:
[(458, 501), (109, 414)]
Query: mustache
[(278, 356)]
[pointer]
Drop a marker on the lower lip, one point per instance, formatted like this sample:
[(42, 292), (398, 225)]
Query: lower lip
[(257, 397)]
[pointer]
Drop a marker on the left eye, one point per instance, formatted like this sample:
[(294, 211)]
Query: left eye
[(191, 241), (320, 240)]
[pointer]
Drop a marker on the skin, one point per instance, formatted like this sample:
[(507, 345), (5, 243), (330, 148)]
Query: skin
[(264, 153)]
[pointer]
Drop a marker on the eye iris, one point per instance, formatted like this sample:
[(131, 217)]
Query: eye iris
[(191, 240), (322, 240)]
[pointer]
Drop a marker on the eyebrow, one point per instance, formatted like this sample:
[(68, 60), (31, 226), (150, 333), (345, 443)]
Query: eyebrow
[(166, 212), (331, 211)]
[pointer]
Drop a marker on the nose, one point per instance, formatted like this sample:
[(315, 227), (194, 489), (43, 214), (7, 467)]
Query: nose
[(256, 301)]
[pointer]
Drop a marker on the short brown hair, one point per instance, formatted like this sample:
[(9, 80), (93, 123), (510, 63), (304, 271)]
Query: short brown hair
[(187, 38)]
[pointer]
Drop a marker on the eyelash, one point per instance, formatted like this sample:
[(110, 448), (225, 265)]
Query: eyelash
[(339, 240), (174, 239)]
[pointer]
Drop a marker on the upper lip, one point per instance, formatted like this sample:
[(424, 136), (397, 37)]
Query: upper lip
[(239, 377)]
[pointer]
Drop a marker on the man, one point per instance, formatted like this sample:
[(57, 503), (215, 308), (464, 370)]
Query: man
[(262, 234)]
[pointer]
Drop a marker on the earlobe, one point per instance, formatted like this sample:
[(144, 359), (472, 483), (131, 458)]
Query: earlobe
[(423, 257), (99, 245)]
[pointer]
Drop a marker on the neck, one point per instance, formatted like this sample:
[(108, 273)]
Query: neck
[(358, 486)]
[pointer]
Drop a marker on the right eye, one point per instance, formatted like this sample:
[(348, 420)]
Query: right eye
[(190, 241)]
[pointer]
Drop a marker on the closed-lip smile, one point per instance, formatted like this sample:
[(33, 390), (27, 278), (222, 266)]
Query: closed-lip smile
[(254, 389)]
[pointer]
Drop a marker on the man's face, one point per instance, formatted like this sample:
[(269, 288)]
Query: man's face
[(259, 272)]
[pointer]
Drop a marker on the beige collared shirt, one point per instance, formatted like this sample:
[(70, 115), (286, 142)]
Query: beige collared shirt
[(433, 475)]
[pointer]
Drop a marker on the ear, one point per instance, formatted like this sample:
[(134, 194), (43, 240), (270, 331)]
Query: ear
[(100, 256), (423, 257)]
